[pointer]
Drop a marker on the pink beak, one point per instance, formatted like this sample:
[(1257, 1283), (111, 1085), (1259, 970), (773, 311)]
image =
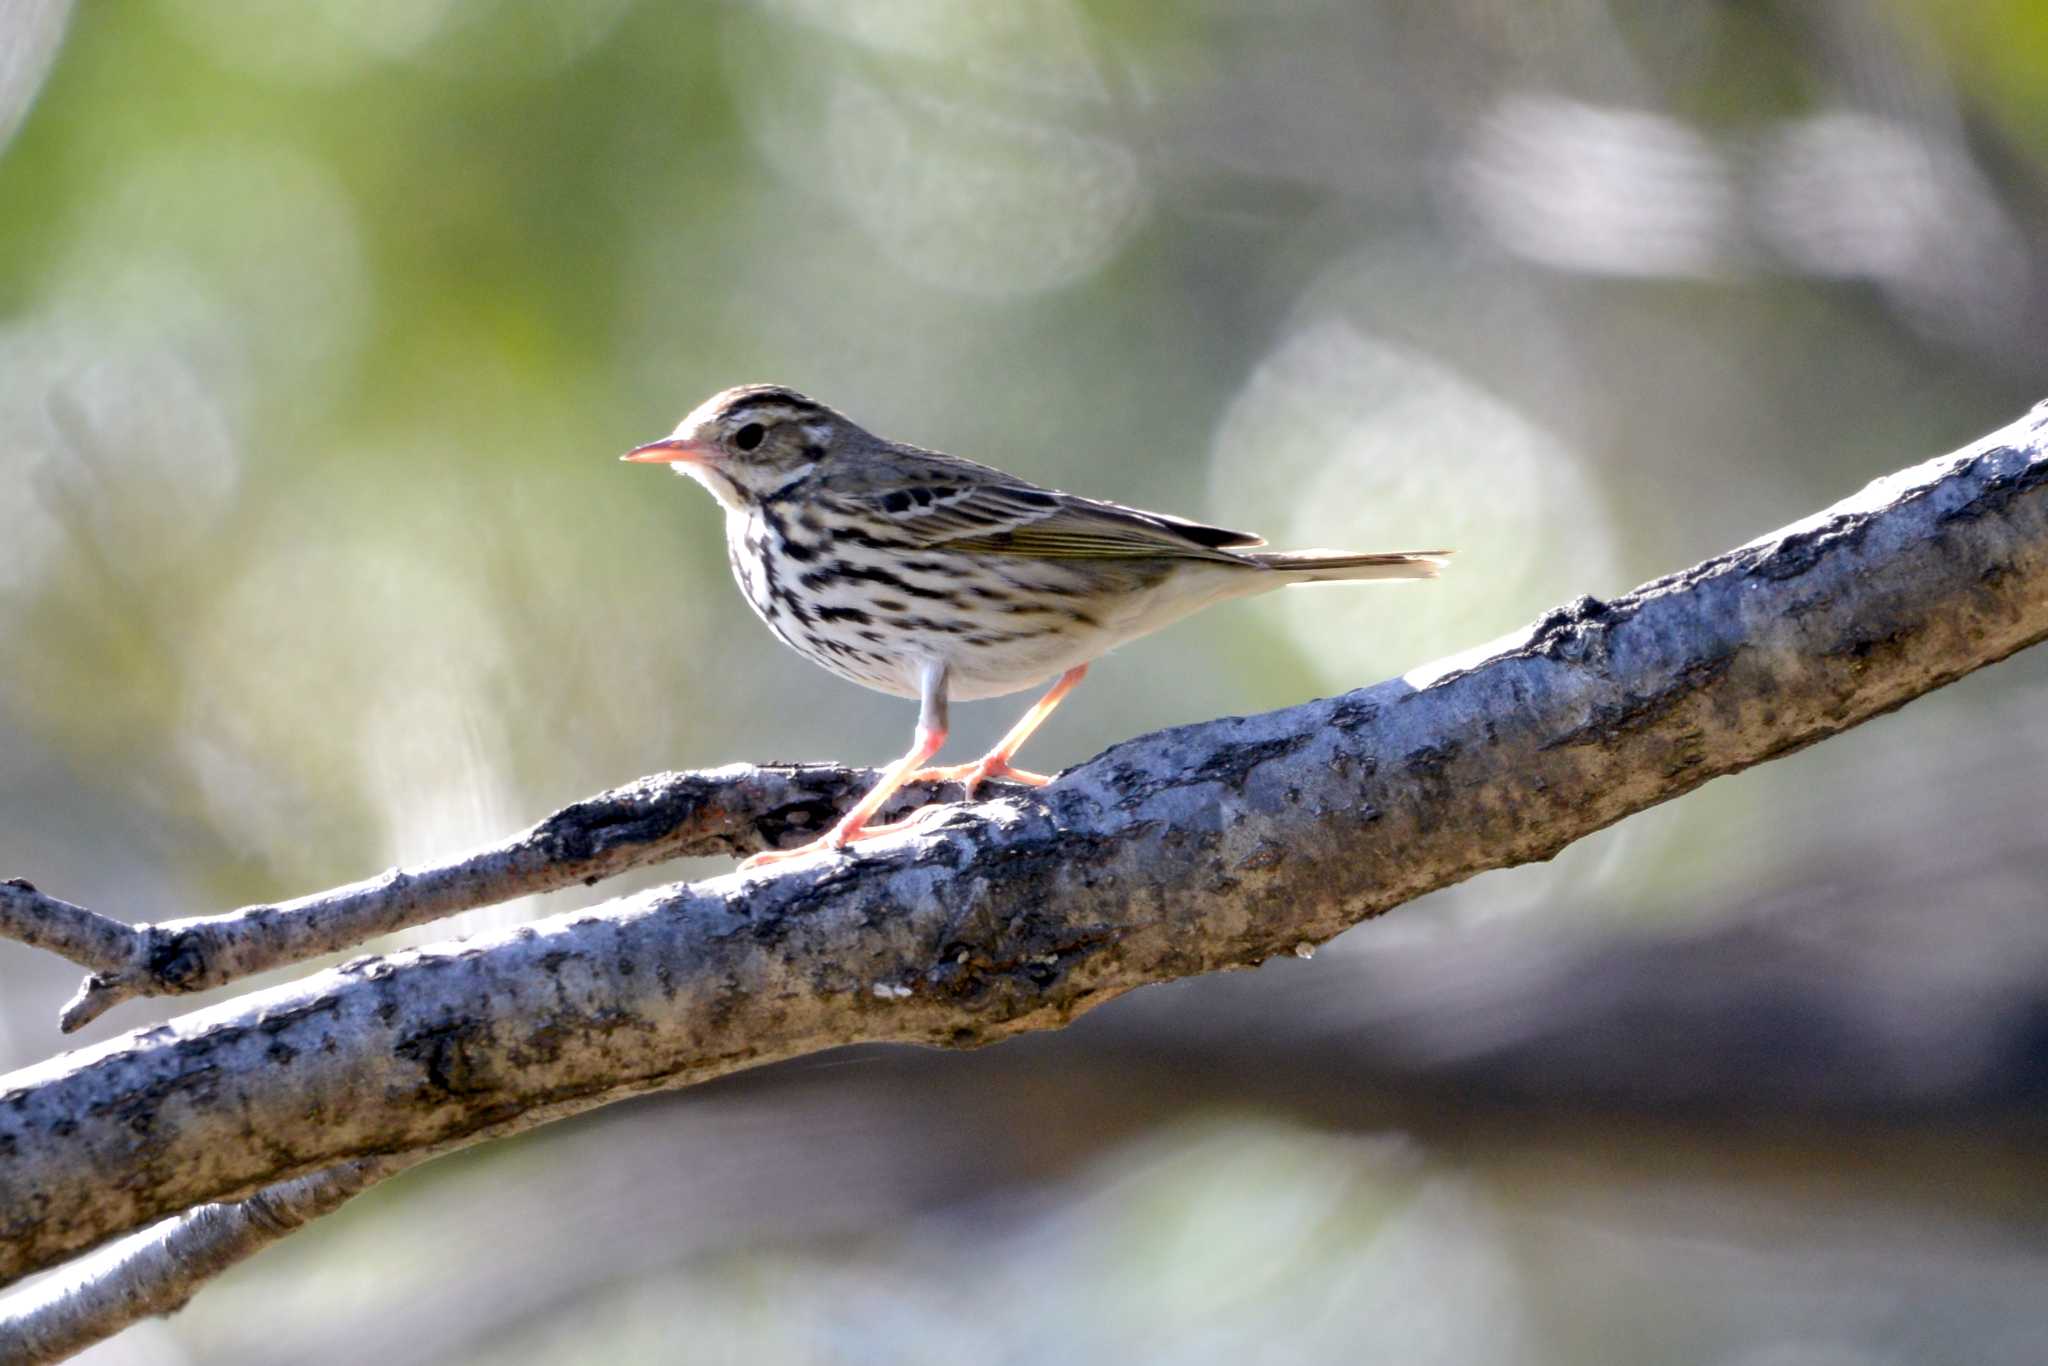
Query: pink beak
[(666, 451)]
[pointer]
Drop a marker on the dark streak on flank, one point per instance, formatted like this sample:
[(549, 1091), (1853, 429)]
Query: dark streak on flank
[(1051, 609), (984, 639), (955, 627), (828, 645), (843, 572)]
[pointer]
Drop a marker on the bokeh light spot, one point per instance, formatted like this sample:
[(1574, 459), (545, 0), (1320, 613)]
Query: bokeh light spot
[(34, 30), (1607, 191), (116, 445), (267, 237), (1344, 439), (1846, 194), (980, 202)]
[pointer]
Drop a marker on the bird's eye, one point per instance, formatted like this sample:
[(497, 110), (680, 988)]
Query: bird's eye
[(749, 436)]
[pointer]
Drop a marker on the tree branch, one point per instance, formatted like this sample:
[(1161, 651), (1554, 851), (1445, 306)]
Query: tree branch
[(157, 1272), (1199, 848), (727, 811), (85, 937)]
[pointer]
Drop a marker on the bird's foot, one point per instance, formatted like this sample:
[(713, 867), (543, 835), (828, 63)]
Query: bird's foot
[(969, 776), (836, 839), (972, 776), (824, 844)]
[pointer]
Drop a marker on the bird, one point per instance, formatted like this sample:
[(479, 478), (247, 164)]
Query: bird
[(929, 576)]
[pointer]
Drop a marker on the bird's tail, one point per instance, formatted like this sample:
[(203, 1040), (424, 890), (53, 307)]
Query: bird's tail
[(1337, 566)]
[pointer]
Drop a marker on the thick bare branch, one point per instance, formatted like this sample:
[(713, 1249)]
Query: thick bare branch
[(1194, 849), (729, 811)]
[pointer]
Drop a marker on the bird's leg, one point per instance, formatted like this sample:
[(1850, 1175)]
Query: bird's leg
[(931, 734), (996, 763)]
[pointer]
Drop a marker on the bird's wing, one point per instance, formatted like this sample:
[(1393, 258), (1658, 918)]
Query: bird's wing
[(982, 509)]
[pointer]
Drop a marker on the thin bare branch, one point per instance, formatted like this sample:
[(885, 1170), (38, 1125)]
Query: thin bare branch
[(157, 1271), (727, 811), (1204, 847), (85, 937)]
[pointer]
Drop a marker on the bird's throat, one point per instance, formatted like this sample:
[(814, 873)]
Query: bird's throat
[(711, 477)]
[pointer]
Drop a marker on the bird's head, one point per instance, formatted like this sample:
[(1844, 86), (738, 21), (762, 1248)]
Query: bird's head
[(746, 443)]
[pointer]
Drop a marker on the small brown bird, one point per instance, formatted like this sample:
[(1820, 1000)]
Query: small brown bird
[(924, 575)]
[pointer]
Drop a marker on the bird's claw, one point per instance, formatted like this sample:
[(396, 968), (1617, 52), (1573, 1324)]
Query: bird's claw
[(969, 776), (836, 840), (822, 845), (972, 776)]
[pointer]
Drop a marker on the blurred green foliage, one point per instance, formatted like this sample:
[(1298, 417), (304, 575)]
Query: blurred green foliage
[(320, 327)]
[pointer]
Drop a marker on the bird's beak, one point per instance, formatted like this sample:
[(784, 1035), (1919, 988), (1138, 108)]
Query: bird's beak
[(667, 451)]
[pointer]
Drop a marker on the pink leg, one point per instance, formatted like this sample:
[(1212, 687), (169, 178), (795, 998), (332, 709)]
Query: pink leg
[(854, 824), (996, 763)]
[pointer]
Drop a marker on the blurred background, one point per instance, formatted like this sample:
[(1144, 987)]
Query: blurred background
[(321, 326)]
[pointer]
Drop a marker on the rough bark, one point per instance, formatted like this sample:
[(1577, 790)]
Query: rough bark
[(158, 1272), (730, 811), (1193, 849)]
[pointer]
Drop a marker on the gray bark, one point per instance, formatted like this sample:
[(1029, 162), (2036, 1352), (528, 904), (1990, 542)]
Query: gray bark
[(730, 811), (159, 1273), (1199, 848)]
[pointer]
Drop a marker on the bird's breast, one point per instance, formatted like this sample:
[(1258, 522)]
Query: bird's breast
[(876, 610)]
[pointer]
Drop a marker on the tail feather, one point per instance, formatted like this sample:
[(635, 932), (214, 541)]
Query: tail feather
[(1337, 566)]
